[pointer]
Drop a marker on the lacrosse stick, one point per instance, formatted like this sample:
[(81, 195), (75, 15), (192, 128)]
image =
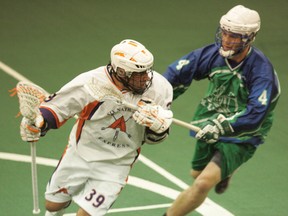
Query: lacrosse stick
[(30, 96), (103, 92)]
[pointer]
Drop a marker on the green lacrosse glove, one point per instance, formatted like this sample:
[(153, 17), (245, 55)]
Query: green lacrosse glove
[(214, 127)]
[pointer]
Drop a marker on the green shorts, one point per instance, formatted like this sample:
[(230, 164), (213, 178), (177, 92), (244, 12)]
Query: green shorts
[(232, 155)]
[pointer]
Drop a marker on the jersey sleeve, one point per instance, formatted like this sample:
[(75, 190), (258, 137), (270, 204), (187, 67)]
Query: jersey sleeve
[(194, 65), (161, 93), (66, 103), (264, 91)]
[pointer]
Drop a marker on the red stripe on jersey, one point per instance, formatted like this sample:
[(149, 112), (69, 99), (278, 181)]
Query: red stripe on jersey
[(89, 109), (138, 153), (86, 114), (136, 157), (79, 129)]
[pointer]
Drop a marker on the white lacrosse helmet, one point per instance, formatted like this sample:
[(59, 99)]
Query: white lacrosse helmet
[(132, 65), (131, 56), (239, 20)]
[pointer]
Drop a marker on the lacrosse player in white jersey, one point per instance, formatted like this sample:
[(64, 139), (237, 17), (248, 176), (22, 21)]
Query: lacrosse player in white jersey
[(107, 137)]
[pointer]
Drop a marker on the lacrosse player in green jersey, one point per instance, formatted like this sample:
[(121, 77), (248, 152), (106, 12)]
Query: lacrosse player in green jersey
[(237, 111)]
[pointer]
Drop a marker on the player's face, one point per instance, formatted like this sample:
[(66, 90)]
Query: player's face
[(231, 41), (139, 81)]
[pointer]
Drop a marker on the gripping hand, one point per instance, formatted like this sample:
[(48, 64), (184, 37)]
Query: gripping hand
[(30, 129), (153, 116), (213, 128)]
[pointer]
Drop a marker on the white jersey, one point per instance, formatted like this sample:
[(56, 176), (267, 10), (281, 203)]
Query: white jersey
[(104, 131)]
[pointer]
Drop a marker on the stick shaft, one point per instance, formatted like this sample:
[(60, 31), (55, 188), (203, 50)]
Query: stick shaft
[(36, 209), (186, 125)]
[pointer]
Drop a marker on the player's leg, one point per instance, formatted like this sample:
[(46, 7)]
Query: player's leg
[(56, 209), (194, 196), (195, 173), (67, 179), (230, 157), (223, 184), (206, 174), (82, 212)]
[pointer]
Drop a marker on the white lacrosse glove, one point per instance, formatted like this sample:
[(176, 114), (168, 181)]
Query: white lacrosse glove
[(153, 116), (30, 131)]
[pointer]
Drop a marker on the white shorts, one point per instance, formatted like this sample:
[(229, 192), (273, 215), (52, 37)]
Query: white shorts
[(94, 186)]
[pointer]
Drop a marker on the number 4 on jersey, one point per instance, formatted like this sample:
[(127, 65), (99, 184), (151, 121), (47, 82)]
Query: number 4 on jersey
[(263, 98)]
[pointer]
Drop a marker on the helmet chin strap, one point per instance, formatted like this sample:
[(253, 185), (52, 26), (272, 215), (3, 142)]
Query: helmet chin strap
[(226, 54), (231, 53)]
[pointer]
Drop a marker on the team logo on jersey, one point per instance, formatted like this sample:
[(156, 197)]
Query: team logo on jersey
[(119, 125), (221, 101)]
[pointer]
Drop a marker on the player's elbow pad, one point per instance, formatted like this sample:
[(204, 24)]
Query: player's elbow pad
[(154, 138)]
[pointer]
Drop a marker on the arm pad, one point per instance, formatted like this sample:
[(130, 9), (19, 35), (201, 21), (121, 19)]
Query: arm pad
[(154, 138)]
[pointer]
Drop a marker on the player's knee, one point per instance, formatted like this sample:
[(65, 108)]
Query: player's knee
[(195, 173), (202, 185), (53, 207)]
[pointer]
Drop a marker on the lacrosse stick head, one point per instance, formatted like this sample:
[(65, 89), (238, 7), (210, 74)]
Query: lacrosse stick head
[(30, 97), (101, 91)]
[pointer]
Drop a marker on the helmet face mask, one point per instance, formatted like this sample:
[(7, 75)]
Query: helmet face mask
[(239, 22), (236, 42), (132, 65), (136, 82)]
